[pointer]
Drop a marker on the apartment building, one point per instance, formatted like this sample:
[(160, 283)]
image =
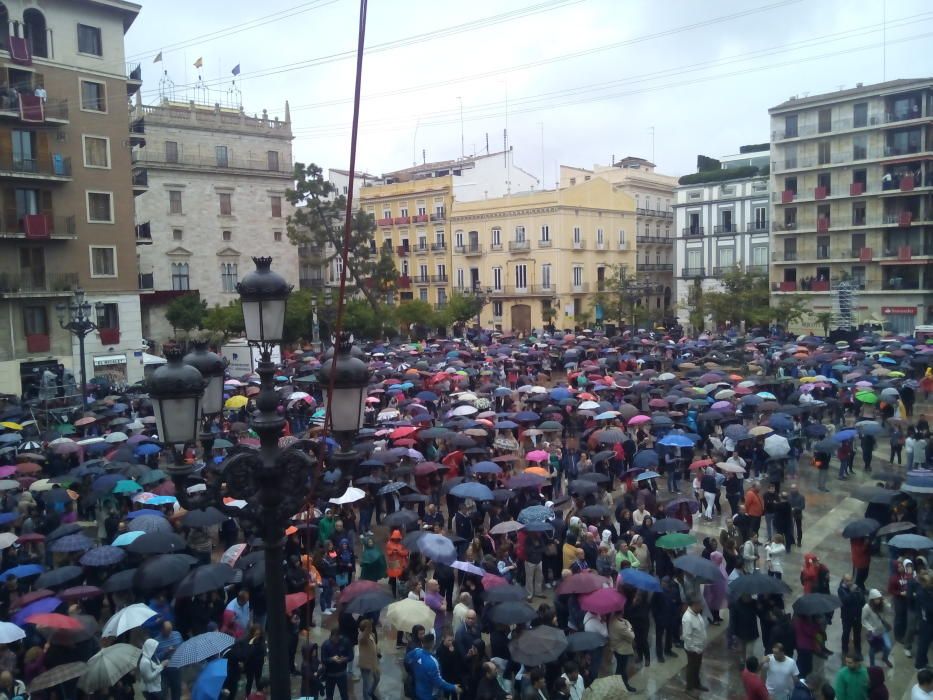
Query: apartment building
[(653, 193), (540, 257), (67, 190), (852, 200), (722, 217), (212, 183)]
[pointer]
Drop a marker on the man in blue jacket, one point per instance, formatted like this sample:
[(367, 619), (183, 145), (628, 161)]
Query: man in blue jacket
[(427, 672)]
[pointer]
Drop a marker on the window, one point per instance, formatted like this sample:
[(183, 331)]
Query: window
[(860, 114), (859, 146), (458, 239), (226, 235), (226, 203), (171, 151), (459, 278), (272, 160), (824, 120), (176, 234), (621, 236), (790, 126), (403, 210), (790, 184), (790, 156), (521, 277), (96, 152), (497, 278), (600, 237), (422, 210), (93, 96), (228, 277), (858, 213), (423, 272), (277, 236), (99, 208), (694, 259), (276, 203), (825, 181), (386, 212), (24, 151), (220, 153), (109, 317), (497, 309), (576, 234), (519, 234), (497, 237), (103, 261), (35, 320), (442, 296), (823, 152), (726, 258), (546, 276), (439, 238), (545, 233), (442, 271), (174, 202), (761, 218), (790, 217), (577, 276), (423, 293), (89, 40), (760, 255), (180, 281)]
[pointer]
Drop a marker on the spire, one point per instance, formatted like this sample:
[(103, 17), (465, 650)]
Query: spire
[(288, 113)]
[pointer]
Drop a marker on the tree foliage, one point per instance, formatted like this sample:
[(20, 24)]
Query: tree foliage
[(225, 321), (744, 299), (366, 322), (318, 222), (621, 298), (789, 310), (461, 309), (186, 312), (824, 319)]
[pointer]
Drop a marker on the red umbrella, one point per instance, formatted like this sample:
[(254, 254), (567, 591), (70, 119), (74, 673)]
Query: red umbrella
[(402, 432), (603, 601), (80, 593), (31, 537), (492, 581), (427, 468), (28, 468), (293, 601), (404, 442), (55, 621), (358, 588), (584, 582)]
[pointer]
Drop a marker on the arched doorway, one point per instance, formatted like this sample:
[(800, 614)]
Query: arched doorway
[(35, 33), (521, 319)]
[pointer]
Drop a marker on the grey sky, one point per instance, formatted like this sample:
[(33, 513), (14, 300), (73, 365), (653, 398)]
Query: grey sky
[(702, 76)]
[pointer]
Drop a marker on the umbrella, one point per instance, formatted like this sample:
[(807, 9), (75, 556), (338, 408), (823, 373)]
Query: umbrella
[(535, 514), (160, 571), (405, 614), (293, 601), (603, 601), (104, 555), (874, 494), (676, 540), (699, 567), (512, 613), (863, 527), (56, 577), (10, 633), (816, 604), (62, 531), (665, 525), (585, 641), (539, 646), (504, 594), (438, 548), (72, 543), (108, 666), (646, 459), (150, 523), (210, 681), (209, 577), (351, 495), (205, 517), (127, 538), (910, 541), (893, 528), (128, 618), (120, 581), (606, 688), (200, 648), (369, 602), (594, 512), (472, 489), (758, 584), (22, 571), (70, 595), (400, 518), (505, 527), (676, 440), (359, 587), (641, 580), (42, 605), (55, 621), (777, 446), (57, 675), (584, 582)]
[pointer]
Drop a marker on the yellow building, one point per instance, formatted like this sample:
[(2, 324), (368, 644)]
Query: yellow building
[(536, 251)]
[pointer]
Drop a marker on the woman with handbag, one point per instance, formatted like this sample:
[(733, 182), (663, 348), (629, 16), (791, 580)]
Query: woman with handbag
[(876, 627)]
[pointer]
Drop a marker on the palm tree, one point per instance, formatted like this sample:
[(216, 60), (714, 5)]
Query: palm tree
[(824, 319)]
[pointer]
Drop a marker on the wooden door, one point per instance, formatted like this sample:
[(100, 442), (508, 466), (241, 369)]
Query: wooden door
[(521, 319)]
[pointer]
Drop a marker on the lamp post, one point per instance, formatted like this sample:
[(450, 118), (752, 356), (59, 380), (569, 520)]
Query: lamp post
[(211, 367), (633, 291), (275, 483), (75, 317)]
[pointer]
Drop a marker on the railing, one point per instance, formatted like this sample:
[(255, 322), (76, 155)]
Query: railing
[(439, 215), (384, 221), (38, 342), (37, 226), (208, 114), (420, 249), (401, 220), (439, 279), (56, 110), (544, 243), (13, 283), (311, 282), (438, 247), (655, 267), (135, 74), (856, 189), (149, 156), (109, 336), (519, 245), (807, 130), (756, 269), (904, 116), (144, 280), (543, 289), (758, 227), (579, 245), (581, 288), (421, 279), (473, 249), (420, 218), (622, 245), (50, 165), (725, 228), (662, 240), (495, 247), (640, 211), (689, 272), (821, 192), (692, 231), (440, 306), (906, 252)]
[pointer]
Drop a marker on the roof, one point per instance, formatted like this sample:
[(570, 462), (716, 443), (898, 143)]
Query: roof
[(129, 10), (358, 173), (441, 164), (875, 88), (633, 160)]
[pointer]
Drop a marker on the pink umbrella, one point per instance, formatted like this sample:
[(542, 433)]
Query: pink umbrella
[(639, 420), (7, 470), (491, 581), (537, 456), (721, 404), (603, 601)]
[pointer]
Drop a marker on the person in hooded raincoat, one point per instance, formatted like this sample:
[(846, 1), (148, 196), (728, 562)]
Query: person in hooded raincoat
[(396, 560), (150, 670), (372, 561)]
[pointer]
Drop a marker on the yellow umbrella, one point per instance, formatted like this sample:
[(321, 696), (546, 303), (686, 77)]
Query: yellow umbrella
[(236, 402), (405, 614), (10, 425)]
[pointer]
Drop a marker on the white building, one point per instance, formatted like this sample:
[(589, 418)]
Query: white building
[(216, 198), (723, 224), (340, 179)]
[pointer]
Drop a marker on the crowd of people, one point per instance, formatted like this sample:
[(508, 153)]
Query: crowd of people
[(536, 518)]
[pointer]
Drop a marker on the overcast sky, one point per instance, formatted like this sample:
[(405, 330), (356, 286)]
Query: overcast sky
[(594, 77)]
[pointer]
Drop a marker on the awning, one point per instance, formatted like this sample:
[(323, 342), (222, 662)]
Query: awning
[(153, 359), (104, 360)]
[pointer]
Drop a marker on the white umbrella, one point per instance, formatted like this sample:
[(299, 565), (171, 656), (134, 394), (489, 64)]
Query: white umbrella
[(7, 539), (91, 441), (464, 411), (405, 614), (295, 395), (465, 396), (232, 554), (777, 446), (666, 377), (588, 406), (10, 633), (116, 437), (538, 390), (724, 394), (42, 485), (130, 617), (351, 495)]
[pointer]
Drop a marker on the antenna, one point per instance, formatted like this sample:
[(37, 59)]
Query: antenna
[(884, 39), (651, 129), (487, 143), (424, 156), (413, 141), (541, 126), (462, 149)]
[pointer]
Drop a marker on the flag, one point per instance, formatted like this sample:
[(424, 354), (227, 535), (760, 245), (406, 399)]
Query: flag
[(158, 58), (236, 69), (198, 63)]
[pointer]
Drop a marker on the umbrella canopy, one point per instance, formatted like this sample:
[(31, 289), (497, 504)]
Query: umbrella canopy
[(758, 584), (503, 594), (606, 688), (128, 618), (210, 577), (150, 523), (538, 646), (156, 543), (910, 541), (699, 567), (405, 614), (584, 582), (438, 548), (205, 517), (368, 602), (863, 527), (108, 666), (893, 528), (160, 571), (641, 580), (816, 604), (10, 633), (104, 555), (603, 601), (57, 675), (472, 489), (874, 494), (359, 587), (585, 641), (210, 681), (200, 648), (57, 577), (777, 446), (512, 613), (676, 540), (666, 525)]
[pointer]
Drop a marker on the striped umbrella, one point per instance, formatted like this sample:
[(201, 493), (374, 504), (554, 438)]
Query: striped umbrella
[(105, 555), (57, 675), (72, 543), (199, 648)]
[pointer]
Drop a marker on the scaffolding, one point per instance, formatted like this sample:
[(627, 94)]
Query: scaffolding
[(844, 294)]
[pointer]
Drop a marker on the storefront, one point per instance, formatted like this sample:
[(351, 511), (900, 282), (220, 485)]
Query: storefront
[(899, 320), (110, 370)]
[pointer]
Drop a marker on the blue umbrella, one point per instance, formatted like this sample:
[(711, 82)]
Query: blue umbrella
[(909, 541), (72, 543), (104, 555), (815, 430), (210, 681), (437, 548), (844, 435), (427, 396), (506, 425), (646, 458), (781, 421), (147, 448), (647, 475), (736, 432), (502, 391), (527, 416), (675, 440), (472, 489), (486, 468), (200, 648), (142, 512), (10, 438), (535, 514), (22, 571), (97, 448), (558, 393), (127, 537), (8, 518), (104, 484), (751, 400), (640, 580), (161, 501), (43, 605)]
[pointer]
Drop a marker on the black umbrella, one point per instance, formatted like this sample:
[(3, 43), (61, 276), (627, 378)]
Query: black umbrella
[(894, 528), (512, 613), (595, 511), (863, 527), (816, 604), (119, 582), (400, 518), (757, 584), (62, 531), (203, 517), (160, 571), (585, 641), (874, 494), (539, 646), (698, 566), (368, 602), (210, 577), (596, 478), (58, 577), (582, 487), (156, 543), (502, 594), (665, 525)]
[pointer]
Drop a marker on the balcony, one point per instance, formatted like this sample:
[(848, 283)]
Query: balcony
[(519, 246), (725, 229), (439, 215), (654, 212), (822, 224), (384, 221), (653, 240), (544, 243), (140, 181), (38, 227), (472, 250), (786, 286), (421, 279), (622, 245), (439, 279), (856, 189), (692, 232), (109, 336), (138, 133), (310, 282), (402, 251), (581, 288), (905, 252), (820, 192), (421, 249), (403, 282), (52, 167), (438, 247), (691, 272), (495, 247), (144, 234), (401, 220), (787, 196), (52, 284), (144, 281), (420, 218), (654, 267), (543, 289), (818, 286), (757, 227), (28, 109), (38, 342), (152, 158), (579, 245), (907, 184), (756, 269), (134, 79)]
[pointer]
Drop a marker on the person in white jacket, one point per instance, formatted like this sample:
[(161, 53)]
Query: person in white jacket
[(774, 554), (876, 627), (693, 628), (150, 670)]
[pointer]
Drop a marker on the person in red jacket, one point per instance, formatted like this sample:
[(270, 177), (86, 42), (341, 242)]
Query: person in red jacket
[(754, 507), (752, 681), (860, 548)]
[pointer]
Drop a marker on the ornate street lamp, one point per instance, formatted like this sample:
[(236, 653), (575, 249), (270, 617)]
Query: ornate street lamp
[(176, 390), (75, 317), (211, 367)]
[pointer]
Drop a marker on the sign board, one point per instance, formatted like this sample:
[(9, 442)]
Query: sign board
[(899, 310), (242, 359)]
